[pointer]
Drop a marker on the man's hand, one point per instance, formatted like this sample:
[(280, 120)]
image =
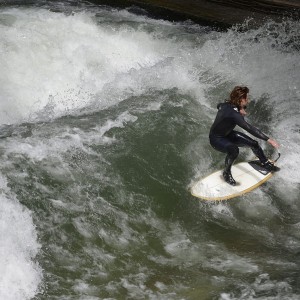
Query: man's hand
[(273, 143)]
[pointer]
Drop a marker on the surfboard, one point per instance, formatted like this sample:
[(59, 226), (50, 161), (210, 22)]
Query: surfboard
[(248, 176)]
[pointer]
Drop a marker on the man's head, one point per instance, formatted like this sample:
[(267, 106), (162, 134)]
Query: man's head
[(239, 96)]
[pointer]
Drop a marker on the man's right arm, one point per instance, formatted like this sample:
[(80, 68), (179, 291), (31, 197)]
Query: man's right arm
[(251, 129)]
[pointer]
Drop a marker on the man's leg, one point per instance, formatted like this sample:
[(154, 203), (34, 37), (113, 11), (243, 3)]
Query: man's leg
[(242, 140), (226, 146), (232, 154)]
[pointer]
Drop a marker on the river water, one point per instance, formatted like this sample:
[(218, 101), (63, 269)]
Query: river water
[(104, 127)]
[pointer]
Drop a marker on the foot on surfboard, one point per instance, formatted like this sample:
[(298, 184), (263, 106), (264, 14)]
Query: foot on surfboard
[(269, 166), (228, 178)]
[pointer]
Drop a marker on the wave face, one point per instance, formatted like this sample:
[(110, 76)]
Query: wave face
[(104, 126)]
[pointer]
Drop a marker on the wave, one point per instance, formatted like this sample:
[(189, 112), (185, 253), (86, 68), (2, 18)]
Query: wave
[(57, 64), (21, 276)]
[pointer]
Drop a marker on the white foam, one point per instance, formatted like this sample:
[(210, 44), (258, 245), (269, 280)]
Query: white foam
[(38, 148), (120, 122), (20, 275), (60, 64), (263, 288)]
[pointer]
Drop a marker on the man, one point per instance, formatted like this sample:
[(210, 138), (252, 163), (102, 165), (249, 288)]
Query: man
[(224, 139)]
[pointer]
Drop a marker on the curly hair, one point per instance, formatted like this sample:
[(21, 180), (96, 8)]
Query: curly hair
[(237, 94)]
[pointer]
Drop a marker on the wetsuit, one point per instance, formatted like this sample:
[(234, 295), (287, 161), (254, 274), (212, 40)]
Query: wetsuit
[(223, 138)]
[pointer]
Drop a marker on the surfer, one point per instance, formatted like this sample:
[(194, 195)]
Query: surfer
[(224, 139)]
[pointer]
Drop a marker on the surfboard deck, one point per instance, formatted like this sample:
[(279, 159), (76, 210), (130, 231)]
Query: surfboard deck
[(248, 176)]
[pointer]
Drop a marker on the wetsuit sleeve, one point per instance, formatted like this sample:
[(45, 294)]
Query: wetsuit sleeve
[(240, 121)]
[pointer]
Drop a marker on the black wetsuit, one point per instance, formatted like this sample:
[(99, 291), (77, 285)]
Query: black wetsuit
[(223, 138)]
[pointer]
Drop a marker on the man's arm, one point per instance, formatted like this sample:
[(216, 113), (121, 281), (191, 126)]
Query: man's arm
[(240, 121)]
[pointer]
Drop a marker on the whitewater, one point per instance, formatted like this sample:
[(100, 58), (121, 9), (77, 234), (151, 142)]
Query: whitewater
[(104, 121)]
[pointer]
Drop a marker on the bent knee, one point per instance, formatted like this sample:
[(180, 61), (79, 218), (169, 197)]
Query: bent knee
[(255, 145)]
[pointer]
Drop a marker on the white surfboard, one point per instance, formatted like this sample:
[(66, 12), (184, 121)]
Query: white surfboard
[(248, 176)]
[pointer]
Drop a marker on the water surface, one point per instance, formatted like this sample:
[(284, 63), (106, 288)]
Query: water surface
[(105, 117)]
